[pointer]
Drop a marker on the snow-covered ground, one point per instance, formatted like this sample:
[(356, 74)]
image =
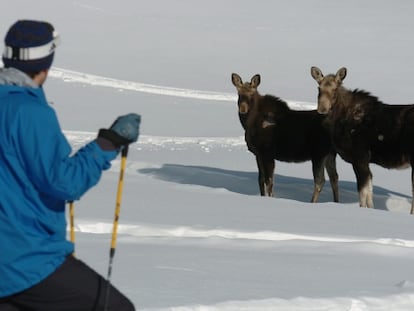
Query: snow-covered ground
[(194, 234)]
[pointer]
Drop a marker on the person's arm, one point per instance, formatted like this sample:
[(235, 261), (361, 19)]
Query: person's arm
[(47, 159)]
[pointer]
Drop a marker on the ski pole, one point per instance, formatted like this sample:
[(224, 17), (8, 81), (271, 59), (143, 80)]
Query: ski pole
[(115, 224), (72, 222)]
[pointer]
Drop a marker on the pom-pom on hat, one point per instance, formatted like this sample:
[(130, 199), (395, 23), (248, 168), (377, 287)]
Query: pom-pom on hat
[(30, 46)]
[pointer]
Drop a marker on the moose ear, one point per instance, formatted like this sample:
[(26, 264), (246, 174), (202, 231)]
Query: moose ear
[(317, 74), (236, 79), (340, 74), (255, 81)]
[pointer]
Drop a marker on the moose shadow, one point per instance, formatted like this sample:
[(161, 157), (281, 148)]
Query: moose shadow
[(293, 188)]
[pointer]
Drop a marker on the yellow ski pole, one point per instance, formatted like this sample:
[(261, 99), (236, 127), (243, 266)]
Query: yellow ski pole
[(72, 222), (115, 224)]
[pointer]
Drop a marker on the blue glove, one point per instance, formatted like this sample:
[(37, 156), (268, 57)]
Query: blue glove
[(127, 127), (123, 131)]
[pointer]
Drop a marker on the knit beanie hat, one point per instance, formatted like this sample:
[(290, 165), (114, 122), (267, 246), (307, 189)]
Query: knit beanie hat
[(30, 46)]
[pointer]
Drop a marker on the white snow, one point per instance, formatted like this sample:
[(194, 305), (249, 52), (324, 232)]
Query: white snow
[(194, 234)]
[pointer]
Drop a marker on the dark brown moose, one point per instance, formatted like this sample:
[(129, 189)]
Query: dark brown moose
[(364, 130), (275, 132)]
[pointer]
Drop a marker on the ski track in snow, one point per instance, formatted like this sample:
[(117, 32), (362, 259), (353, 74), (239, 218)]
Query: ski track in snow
[(71, 76), (154, 231)]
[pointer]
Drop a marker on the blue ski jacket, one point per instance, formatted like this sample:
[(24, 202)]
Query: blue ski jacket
[(38, 174)]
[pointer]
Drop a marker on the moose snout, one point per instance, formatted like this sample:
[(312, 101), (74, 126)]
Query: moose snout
[(323, 105), (243, 108), (322, 110)]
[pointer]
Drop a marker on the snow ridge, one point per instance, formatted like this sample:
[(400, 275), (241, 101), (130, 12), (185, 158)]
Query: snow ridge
[(84, 78), (71, 76), (154, 231), (401, 302)]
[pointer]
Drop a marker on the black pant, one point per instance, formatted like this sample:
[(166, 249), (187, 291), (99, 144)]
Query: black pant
[(72, 287)]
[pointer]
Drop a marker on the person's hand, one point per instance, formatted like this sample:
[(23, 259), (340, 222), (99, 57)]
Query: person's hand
[(123, 131), (127, 127)]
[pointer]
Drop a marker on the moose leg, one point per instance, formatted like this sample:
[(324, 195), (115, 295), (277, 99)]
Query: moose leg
[(266, 168), (261, 177), (330, 166), (364, 183), (269, 169), (318, 178)]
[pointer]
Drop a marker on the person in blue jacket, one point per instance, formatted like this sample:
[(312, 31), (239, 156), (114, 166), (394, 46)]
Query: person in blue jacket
[(38, 175)]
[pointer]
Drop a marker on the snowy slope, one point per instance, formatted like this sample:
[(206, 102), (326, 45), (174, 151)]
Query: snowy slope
[(194, 234)]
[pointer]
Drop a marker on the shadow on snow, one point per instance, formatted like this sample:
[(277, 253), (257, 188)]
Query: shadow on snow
[(285, 187)]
